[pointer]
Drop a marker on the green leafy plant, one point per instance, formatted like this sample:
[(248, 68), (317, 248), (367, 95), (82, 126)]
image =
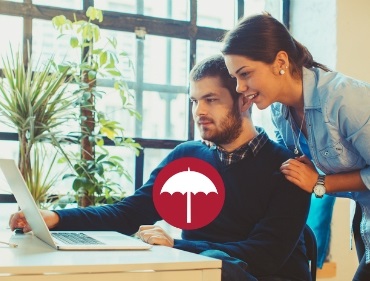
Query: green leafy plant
[(91, 166), (34, 100), (95, 177), (44, 158)]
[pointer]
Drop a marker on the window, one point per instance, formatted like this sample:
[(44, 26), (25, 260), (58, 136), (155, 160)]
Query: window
[(163, 42), (72, 4), (13, 39), (223, 14), (153, 8)]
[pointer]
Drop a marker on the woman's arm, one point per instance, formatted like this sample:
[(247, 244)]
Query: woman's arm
[(303, 173)]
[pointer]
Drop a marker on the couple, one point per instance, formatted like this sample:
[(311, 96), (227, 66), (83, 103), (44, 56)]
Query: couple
[(258, 233)]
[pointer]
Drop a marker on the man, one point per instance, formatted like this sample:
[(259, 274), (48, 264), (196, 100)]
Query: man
[(258, 231)]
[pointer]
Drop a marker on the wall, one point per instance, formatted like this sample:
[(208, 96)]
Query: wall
[(353, 22), (340, 252), (336, 33), (313, 23)]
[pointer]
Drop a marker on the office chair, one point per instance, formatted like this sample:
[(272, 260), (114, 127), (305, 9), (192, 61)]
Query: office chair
[(311, 248)]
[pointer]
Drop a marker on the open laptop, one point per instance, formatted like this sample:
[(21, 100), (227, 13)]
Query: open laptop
[(93, 240)]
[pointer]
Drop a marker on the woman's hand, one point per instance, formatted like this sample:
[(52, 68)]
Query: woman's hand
[(155, 235), (300, 171)]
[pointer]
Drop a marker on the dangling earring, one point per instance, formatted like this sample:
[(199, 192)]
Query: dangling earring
[(281, 71)]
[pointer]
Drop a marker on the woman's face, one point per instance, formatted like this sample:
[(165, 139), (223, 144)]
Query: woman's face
[(256, 80)]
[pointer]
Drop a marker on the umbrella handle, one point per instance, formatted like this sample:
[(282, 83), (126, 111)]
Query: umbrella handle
[(188, 207)]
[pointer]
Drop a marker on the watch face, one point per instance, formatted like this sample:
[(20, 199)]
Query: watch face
[(319, 190)]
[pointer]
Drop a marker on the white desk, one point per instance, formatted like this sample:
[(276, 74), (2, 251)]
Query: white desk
[(37, 261)]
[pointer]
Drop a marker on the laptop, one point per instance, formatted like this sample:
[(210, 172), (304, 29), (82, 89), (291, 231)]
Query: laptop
[(60, 240)]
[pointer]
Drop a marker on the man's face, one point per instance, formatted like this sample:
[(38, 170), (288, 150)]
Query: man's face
[(217, 118)]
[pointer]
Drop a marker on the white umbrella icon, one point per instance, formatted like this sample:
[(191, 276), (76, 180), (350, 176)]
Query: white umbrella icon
[(188, 182)]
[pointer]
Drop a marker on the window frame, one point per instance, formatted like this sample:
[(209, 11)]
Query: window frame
[(188, 30)]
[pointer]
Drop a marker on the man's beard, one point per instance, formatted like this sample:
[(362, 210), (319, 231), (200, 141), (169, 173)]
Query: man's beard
[(228, 130)]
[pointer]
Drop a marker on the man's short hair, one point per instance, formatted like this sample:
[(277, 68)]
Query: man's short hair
[(215, 66)]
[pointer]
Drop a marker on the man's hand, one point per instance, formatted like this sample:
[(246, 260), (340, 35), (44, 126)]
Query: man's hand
[(155, 235), (300, 171), (18, 220)]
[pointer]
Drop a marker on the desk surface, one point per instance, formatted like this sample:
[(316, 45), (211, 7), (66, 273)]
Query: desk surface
[(32, 256)]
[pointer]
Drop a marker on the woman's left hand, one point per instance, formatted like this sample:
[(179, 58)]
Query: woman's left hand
[(300, 171)]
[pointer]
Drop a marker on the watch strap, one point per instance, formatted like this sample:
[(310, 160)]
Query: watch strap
[(321, 180)]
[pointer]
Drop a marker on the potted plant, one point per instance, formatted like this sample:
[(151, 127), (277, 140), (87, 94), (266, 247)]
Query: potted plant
[(45, 174), (93, 161), (34, 101)]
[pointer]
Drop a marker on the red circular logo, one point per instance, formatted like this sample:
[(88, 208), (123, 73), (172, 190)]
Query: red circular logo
[(188, 193)]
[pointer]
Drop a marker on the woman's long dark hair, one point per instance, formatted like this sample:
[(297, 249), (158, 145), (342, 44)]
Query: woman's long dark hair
[(261, 37)]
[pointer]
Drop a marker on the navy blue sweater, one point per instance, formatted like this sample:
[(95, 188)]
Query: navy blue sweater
[(260, 223)]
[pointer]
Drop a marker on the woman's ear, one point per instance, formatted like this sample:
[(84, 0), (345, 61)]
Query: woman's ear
[(281, 63)]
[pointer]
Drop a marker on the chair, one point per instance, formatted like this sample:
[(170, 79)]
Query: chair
[(311, 249)]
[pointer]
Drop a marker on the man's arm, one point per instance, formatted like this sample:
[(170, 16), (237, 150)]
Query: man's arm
[(125, 216), (18, 220)]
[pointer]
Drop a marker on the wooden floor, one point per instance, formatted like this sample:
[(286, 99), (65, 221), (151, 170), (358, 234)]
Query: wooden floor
[(329, 270)]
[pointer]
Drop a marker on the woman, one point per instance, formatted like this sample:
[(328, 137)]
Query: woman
[(321, 115)]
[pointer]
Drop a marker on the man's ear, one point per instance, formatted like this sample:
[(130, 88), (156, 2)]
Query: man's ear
[(244, 103)]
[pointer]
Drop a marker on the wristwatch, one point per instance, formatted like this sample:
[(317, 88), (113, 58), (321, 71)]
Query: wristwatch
[(319, 188)]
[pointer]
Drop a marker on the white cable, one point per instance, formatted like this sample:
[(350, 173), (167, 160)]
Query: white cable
[(11, 245)]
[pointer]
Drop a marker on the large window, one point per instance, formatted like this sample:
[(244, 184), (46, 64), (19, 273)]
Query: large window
[(163, 38)]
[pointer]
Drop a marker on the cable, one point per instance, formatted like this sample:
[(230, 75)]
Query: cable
[(11, 245)]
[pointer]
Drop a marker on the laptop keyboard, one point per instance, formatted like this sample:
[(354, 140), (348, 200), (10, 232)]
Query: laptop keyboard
[(75, 238)]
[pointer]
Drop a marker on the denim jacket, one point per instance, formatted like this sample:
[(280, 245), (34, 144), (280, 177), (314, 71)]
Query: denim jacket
[(337, 116)]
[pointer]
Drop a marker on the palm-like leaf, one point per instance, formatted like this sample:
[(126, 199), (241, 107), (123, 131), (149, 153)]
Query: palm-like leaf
[(35, 103), (43, 178)]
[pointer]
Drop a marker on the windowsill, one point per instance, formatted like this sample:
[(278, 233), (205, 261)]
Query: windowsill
[(329, 270)]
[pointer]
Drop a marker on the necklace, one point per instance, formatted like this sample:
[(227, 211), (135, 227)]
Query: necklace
[(296, 142)]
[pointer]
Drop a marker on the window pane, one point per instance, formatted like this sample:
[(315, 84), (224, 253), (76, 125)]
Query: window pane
[(254, 7), (70, 4), (167, 9), (152, 158), (129, 164), (262, 118), (46, 43), (122, 6), (126, 42), (166, 60), (111, 105), (10, 38), (222, 14), (164, 115), (5, 124), (207, 48), (9, 150), (154, 8)]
